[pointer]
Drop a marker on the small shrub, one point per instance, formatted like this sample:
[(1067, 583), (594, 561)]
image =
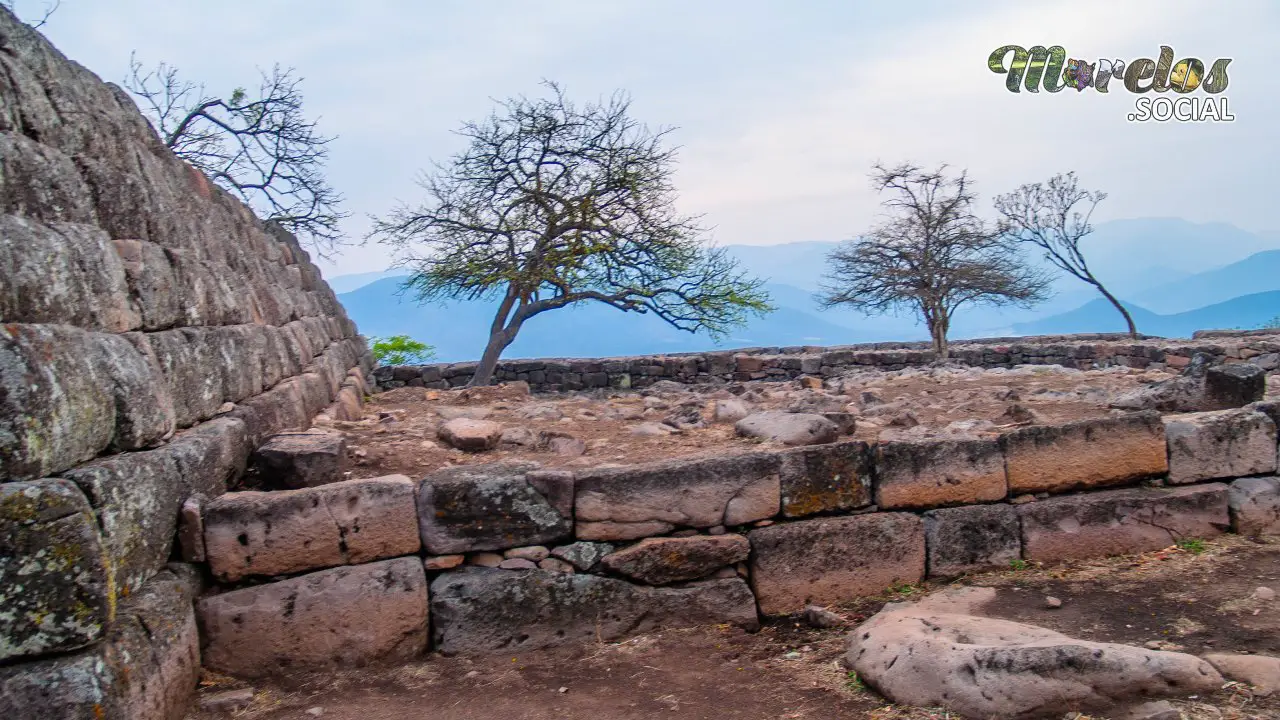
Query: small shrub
[(853, 682), (1194, 546), (401, 350), (1018, 564)]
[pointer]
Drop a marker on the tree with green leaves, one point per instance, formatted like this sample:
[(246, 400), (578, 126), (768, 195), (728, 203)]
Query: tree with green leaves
[(400, 350), (1054, 216), (931, 254), (553, 204), (260, 147)]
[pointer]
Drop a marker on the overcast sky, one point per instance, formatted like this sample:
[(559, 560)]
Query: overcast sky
[(781, 106)]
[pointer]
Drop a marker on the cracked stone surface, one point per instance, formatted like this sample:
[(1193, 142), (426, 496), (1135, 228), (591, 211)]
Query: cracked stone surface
[(494, 507), (277, 533)]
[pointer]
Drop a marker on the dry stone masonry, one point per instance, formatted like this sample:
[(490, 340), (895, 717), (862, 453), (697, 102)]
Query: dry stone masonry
[(152, 333)]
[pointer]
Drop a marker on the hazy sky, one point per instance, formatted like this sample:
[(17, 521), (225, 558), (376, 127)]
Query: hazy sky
[(781, 106)]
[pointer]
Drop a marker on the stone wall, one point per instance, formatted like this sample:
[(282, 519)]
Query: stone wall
[(787, 363), (510, 557), (152, 332)]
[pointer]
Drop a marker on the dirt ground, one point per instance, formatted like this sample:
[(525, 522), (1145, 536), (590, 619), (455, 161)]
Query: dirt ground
[(1195, 599), (399, 431)]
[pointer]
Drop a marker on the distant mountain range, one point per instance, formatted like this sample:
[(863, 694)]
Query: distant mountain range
[(1176, 276)]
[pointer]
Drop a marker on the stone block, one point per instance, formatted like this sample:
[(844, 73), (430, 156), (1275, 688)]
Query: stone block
[(583, 555), (826, 478), (54, 586), (1121, 522), (300, 460), (971, 539), (482, 610), (934, 473), (1233, 385), (211, 455), (652, 499), (493, 507), (341, 617), (1219, 444), (1086, 454), (1255, 506), (829, 560), (289, 531), (662, 561), (788, 428)]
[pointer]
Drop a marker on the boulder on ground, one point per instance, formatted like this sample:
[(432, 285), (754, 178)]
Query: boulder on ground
[(788, 428), (471, 435), (300, 460), (730, 410), (1261, 672), (662, 561), (479, 610), (977, 667), (1255, 506)]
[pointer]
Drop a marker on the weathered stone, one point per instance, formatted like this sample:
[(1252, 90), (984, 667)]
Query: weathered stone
[(517, 564), (532, 552), (1119, 522), (828, 560), (1233, 385), (54, 587), (300, 460), (211, 455), (471, 435), (492, 507), (972, 538), (555, 565), (146, 667), (1261, 672), (1219, 444), (652, 499), (289, 531), (981, 668), (476, 610), (136, 497), (582, 555), (1255, 506), (662, 561), (191, 529), (932, 473), (443, 562), (227, 701), (341, 617), (730, 410), (1086, 454), (788, 428), (826, 478)]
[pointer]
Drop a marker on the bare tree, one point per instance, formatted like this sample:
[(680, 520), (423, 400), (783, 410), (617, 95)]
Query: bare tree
[(261, 148), (552, 204), (49, 9), (1054, 216), (931, 254)]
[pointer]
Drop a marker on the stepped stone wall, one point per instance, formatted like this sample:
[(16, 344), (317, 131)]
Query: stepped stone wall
[(152, 332), (1081, 351)]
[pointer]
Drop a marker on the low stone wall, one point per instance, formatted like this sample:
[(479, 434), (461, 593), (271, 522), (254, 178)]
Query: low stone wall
[(509, 557), (789, 363)]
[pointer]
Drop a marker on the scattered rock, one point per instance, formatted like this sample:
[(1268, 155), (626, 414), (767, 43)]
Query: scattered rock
[(1052, 602), (227, 701), (819, 617), (471, 435), (788, 428), (562, 444), (1264, 594), (1262, 672), (1018, 413), (652, 429)]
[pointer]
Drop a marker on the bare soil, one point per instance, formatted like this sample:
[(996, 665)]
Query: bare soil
[(399, 431), (1191, 601)]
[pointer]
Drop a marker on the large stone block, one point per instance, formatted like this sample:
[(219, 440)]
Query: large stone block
[(933, 473), (146, 668), (54, 588), (1233, 385), (1255, 506), (971, 539), (662, 561), (1086, 454), (1220, 444), (38, 183), (299, 460), (290, 531), (494, 507), (826, 478), (136, 497), (482, 610), (1120, 522), (652, 499), (340, 617), (829, 560), (209, 456)]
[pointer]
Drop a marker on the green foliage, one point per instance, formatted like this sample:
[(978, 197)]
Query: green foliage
[(401, 350), (1018, 564), (1194, 546), (853, 682)]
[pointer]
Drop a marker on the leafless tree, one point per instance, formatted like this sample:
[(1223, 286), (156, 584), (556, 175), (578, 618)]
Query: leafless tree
[(49, 9), (1054, 216), (931, 254), (261, 147), (553, 204)]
